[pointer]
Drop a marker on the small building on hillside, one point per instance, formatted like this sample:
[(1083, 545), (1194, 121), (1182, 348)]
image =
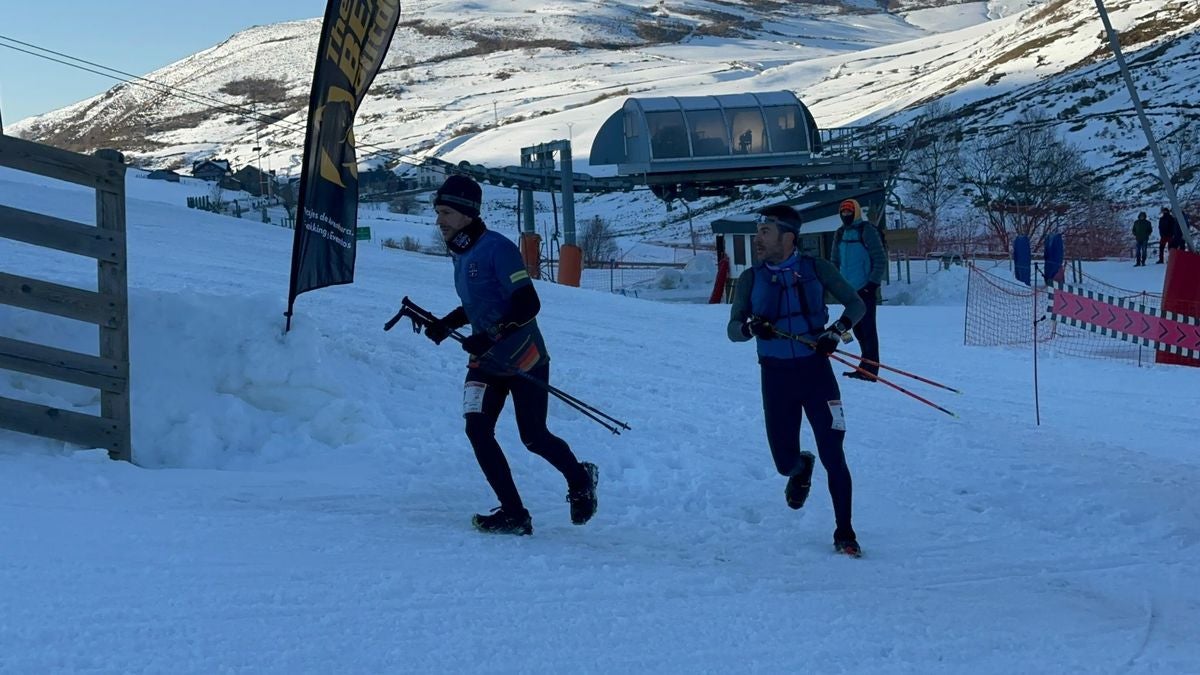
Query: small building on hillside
[(252, 180), (163, 174), (211, 170)]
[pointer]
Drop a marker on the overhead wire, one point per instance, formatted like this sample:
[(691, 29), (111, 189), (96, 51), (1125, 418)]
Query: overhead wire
[(179, 92)]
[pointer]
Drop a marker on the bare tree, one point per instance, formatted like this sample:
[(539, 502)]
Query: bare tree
[(1028, 181), (216, 196), (597, 242), (1181, 152), (286, 192), (932, 172), (406, 204)]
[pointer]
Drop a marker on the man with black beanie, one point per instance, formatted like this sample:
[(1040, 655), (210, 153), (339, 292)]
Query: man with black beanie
[(500, 304)]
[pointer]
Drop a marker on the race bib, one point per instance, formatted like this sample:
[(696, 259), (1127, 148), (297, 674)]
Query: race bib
[(473, 397), (839, 417)]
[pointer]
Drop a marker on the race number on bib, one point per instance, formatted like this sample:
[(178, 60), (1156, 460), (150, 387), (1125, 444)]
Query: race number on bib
[(839, 417), (473, 397)]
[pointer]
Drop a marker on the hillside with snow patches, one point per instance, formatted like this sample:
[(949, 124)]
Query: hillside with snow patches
[(477, 85)]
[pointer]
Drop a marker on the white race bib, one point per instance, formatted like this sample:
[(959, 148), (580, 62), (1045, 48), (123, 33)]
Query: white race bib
[(473, 397), (839, 417)]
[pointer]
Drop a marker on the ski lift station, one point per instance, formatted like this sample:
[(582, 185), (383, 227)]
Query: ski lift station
[(688, 134), (683, 148)]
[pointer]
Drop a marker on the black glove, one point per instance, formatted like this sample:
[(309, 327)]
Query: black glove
[(761, 328), (871, 287), (477, 344), (829, 341), (438, 330)]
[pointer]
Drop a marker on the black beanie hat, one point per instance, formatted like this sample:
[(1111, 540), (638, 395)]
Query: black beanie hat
[(461, 194)]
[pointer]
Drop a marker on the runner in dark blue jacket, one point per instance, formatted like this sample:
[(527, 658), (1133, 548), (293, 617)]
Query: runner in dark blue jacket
[(785, 293), (500, 304)]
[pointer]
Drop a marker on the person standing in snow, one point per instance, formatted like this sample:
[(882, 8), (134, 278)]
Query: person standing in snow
[(1141, 232), (858, 254), (785, 293), (500, 304), (1167, 226)]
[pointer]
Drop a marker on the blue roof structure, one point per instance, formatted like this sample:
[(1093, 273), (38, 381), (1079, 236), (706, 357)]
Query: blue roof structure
[(707, 133)]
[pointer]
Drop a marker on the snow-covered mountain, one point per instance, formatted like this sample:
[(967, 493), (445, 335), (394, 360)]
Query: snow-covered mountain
[(478, 83)]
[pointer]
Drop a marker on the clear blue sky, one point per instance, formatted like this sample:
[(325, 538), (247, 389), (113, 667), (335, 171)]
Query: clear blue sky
[(136, 36)]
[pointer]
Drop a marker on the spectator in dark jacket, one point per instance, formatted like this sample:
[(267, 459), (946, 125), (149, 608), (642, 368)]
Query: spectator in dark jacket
[(1167, 226), (1141, 232)]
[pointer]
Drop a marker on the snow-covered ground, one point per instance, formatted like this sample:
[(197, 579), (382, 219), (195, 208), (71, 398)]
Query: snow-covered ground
[(303, 502)]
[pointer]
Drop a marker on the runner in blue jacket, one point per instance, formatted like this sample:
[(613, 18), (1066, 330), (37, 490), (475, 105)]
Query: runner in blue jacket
[(500, 304)]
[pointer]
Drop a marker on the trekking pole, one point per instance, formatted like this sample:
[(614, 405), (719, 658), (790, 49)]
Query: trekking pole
[(809, 343), (891, 384), (421, 317), (893, 369), (871, 362)]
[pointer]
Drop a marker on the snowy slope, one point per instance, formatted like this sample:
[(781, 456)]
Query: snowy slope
[(303, 500)]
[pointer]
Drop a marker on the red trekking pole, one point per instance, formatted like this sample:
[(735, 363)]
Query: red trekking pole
[(914, 376), (813, 345)]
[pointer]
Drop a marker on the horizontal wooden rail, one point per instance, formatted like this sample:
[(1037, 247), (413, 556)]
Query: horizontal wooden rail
[(61, 235), (59, 300), (63, 425), (64, 365), (65, 165)]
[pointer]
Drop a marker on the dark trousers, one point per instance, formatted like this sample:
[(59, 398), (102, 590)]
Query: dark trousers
[(1141, 250), (1162, 244), (866, 333), (791, 389), (530, 404)]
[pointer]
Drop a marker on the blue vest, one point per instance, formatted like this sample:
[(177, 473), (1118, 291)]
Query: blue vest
[(792, 298)]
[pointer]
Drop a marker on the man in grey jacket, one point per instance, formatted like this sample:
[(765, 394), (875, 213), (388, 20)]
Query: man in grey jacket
[(859, 255), (781, 302)]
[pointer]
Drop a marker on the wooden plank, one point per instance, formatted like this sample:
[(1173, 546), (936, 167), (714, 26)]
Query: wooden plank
[(52, 162), (112, 281), (62, 235), (38, 420), (73, 303), (63, 365)]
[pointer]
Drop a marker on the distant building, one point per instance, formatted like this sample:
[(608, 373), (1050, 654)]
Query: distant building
[(211, 170), (252, 180), (423, 178), (163, 174)]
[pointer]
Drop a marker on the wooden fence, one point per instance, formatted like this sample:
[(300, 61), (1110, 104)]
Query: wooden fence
[(107, 307)]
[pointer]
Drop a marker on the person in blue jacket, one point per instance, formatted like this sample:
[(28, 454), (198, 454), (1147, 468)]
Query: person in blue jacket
[(500, 304), (859, 255), (780, 302)]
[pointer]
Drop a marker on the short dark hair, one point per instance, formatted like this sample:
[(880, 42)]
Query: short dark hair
[(787, 218)]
